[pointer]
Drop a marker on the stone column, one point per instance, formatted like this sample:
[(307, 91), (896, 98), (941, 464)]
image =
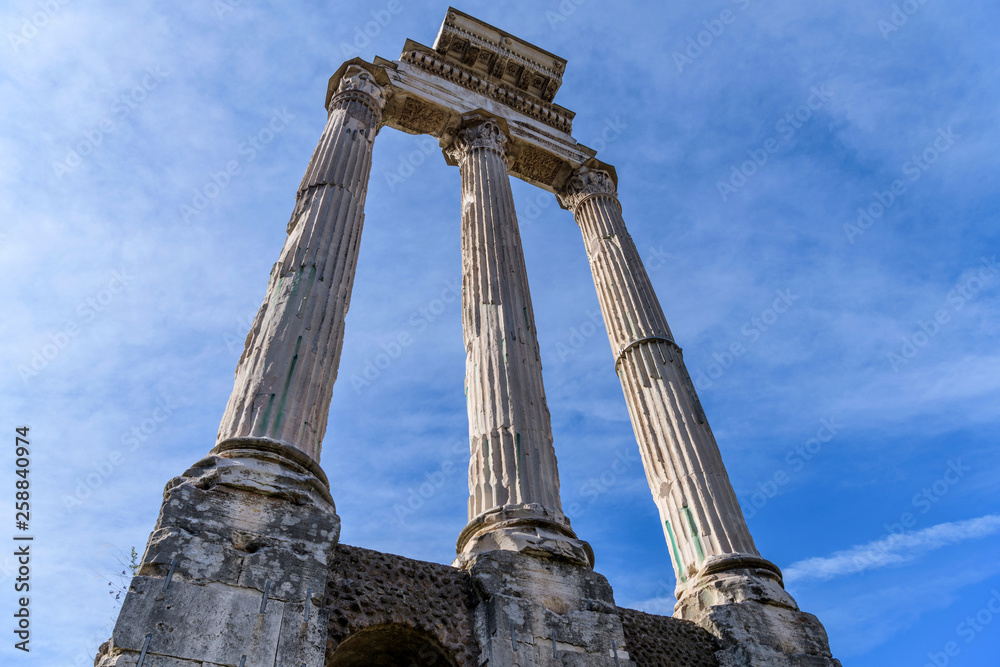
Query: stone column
[(234, 572), (714, 557), (285, 377), (513, 480)]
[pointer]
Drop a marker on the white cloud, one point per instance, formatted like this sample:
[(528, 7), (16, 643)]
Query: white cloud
[(894, 549)]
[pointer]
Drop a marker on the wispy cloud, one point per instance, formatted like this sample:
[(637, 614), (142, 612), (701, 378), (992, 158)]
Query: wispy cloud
[(892, 550)]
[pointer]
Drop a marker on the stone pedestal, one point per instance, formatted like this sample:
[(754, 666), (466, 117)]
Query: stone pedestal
[(539, 612), (236, 567)]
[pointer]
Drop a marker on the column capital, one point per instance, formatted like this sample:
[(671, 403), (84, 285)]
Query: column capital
[(359, 84), (587, 183), (479, 131)]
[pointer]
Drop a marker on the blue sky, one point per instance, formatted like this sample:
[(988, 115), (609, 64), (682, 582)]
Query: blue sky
[(748, 137)]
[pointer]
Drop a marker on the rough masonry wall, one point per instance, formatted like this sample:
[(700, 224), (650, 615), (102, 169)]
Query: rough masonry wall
[(663, 641), (367, 589)]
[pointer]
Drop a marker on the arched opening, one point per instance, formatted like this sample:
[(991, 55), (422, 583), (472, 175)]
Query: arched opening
[(390, 646)]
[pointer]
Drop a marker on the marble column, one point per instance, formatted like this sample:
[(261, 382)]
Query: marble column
[(722, 582), (285, 376), (701, 518), (513, 479)]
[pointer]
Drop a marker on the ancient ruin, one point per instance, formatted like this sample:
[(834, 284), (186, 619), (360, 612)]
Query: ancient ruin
[(244, 566)]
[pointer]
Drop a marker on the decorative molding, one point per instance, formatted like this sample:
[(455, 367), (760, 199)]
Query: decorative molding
[(587, 183), (358, 80), (480, 133), (506, 94)]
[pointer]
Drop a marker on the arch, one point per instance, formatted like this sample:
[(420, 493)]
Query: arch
[(391, 645)]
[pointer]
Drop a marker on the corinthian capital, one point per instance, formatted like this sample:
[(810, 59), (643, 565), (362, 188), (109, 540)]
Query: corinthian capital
[(482, 133), (359, 80), (584, 184)]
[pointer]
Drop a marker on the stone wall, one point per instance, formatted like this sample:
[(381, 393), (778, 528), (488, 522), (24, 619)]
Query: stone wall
[(367, 590), (662, 641)]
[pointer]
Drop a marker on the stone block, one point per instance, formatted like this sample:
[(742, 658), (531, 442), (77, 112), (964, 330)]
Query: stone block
[(213, 623)]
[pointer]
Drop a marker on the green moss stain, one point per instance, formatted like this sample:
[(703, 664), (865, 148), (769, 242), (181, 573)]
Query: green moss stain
[(262, 429), (676, 554), (280, 416), (694, 533), (310, 281)]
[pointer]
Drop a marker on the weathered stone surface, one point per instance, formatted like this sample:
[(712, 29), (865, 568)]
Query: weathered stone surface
[(513, 465), (233, 531), (109, 655), (716, 563), (700, 515), (213, 622), (301, 641), (222, 527), (368, 590), (254, 521), (662, 641), (757, 633), (554, 613), (285, 376)]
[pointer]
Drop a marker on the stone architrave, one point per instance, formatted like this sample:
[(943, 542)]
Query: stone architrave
[(285, 377), (513, 479), (722, 581)]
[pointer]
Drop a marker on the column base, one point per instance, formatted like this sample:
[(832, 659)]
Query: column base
[(529, 529), (535, 612), (741, 599), (236, 565)]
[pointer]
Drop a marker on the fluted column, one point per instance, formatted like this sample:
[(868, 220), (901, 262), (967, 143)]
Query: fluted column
[(701, 518), (285, 376), (513, 479)]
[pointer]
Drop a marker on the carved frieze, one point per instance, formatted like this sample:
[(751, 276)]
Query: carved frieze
[(503, 92)]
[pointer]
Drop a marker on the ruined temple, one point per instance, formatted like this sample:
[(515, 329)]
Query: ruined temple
[(244, 567)]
